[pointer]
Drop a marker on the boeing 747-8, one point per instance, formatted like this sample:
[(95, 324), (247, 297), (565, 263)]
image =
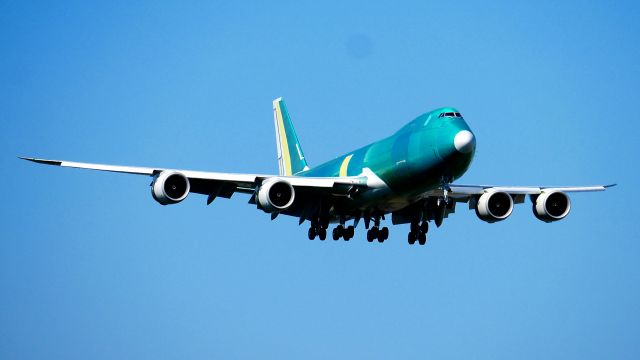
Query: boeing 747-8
[(409, 175)]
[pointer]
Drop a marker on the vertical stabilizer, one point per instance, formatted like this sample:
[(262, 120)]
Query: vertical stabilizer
[(290, 157)]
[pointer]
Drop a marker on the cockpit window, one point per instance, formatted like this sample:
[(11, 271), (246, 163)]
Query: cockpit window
[(450, 114)]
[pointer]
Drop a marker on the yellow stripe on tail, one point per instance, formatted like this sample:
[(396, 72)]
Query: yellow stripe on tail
[(291, 161), (345, 165), (284, 157)]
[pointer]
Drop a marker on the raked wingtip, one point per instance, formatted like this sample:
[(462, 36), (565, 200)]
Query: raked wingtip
[(41, 161)]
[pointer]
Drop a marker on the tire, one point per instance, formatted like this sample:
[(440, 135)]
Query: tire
[(335, 234), (322, 234), (422, 238), (350, 231), (424, 227), (384, 233), (370, 235), (439, 217), (311, 234), (411, 238)]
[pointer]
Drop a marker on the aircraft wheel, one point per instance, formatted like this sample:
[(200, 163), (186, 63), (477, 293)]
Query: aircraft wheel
[(384, 232), (422, 238), (335, 234), (439, 215), (322, 234), (412, 238), (312, 233), (424, 227), (370, 236), (414, 226), (350, 231)]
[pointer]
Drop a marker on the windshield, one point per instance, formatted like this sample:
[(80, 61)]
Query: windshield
[(450, 114)]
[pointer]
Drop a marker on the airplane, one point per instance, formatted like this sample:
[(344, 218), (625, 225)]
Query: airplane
[(409, 175)]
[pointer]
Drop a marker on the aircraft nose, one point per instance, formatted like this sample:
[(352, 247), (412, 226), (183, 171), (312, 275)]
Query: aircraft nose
[(464, 141)]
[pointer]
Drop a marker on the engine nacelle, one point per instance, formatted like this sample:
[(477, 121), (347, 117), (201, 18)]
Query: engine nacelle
[(551, 206), (170, 187), (494, 206), (275, 195)]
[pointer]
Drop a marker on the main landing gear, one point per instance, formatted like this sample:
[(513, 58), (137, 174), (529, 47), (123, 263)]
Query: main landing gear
[(418, 233), (341, 231), (376, 232), (319, 229), (319, 232)]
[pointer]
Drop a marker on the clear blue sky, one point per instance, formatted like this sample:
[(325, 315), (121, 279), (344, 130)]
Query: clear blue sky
[(91, 267)]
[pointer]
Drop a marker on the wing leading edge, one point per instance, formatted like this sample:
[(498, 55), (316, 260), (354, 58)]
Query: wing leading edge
[(464, 193), (521, 190)]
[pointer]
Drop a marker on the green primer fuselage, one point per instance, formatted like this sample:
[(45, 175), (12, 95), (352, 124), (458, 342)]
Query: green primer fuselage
[(413, 160)]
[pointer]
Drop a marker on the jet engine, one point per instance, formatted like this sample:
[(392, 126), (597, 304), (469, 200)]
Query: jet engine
[(551, 206), (275, 195), (494, 206), (170, 187)]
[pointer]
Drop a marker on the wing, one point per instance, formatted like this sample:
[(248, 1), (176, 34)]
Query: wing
[(214, 184), (464, 193), (517, 192), (522, 190), (473, 193)]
